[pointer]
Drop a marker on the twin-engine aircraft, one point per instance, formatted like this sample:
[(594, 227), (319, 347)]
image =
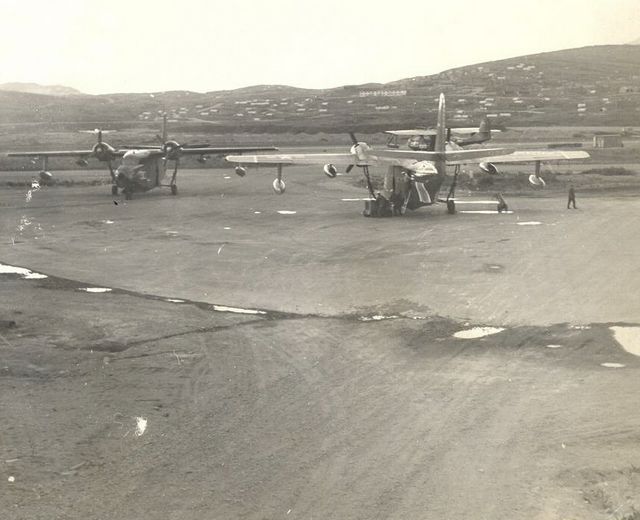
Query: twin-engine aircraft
[(423, 138), (414, 177), (142, 167)]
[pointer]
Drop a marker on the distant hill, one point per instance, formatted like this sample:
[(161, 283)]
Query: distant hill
[(597, 85), (35, 88)]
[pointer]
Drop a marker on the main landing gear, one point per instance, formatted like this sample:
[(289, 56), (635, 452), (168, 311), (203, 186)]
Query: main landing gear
[(451, 202)]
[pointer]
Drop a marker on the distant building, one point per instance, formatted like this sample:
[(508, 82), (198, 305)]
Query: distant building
[(607, 141), (385, 93)]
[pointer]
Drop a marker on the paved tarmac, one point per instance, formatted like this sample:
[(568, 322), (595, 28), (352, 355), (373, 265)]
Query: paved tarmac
[(352, 378)]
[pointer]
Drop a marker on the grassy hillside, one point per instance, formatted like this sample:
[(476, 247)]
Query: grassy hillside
[(587, 86)]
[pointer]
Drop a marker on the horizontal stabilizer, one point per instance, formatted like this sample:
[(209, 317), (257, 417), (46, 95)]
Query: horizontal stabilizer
[(449, 155)]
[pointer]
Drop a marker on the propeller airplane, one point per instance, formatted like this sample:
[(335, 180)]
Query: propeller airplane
[(414, 177), (142, 167)]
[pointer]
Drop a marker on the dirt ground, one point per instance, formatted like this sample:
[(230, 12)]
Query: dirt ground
[(337, 388)]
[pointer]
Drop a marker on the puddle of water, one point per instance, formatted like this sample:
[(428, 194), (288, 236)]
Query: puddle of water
[(530, 223), (95, 289), (477, 332), (25, 273), (378, 317), (554, 346), (581, 327), (612, 365), (173, 300), (286, 212), (629, 338), (237, 310), (141, 426)]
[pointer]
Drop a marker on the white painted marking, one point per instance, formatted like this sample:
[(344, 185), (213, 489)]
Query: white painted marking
[(462, 201), (629, 338), (554, 346), (237, 310), (530, 223), (95, 289), (286, 212), (477, 332), (25, 273), (486, 212), (378, 317), (141, 426), (174, 300), (612, 365)]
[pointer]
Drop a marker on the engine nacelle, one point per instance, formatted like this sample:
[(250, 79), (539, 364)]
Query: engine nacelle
[(279, 186), (172, 150), (46, 178), (489, 168), (537, 181), (330, 170), (240, 171), (104, 152)]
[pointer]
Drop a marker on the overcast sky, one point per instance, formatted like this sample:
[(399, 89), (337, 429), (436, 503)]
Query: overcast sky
[(202, 45)]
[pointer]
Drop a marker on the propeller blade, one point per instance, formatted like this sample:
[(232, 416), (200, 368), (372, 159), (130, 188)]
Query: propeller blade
[(349, 168), (353, 138)]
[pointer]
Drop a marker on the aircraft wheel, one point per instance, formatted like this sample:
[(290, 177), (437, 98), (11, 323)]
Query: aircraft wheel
[(114, 190), (451, 207), (174, 189)]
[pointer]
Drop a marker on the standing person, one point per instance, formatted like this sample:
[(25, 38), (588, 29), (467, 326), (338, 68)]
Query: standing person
[(572, 198), (502, 204)]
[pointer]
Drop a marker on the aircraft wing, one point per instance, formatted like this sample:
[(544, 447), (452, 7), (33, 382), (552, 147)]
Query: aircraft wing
[(411, 133), (340, 159), (530, 156), (432, 131), (65, 153), (223, 150)]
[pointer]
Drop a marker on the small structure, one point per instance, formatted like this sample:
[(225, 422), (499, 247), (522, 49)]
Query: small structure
[(607, 141)]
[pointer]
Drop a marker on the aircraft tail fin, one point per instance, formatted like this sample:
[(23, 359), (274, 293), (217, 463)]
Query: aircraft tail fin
[(441, 129)]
